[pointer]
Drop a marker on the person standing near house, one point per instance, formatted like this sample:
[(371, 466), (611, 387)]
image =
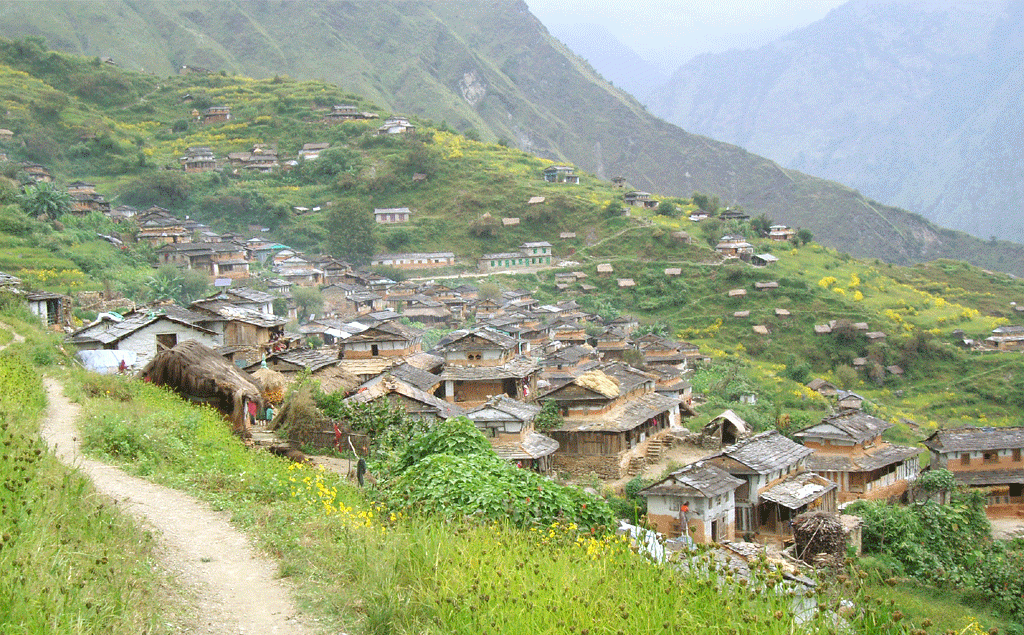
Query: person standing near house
[(251, 407)]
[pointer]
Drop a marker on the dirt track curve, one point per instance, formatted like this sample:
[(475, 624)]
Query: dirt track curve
[(235, 589)]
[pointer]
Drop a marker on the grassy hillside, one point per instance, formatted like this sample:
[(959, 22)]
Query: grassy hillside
[(121, 139), (493, 68)]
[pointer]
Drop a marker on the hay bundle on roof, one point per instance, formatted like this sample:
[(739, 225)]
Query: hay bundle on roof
[(271, 384), (599, 382), (200, 374), (820, 538)]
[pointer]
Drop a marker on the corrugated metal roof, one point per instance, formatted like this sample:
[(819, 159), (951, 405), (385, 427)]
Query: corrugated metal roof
[(798, 490)]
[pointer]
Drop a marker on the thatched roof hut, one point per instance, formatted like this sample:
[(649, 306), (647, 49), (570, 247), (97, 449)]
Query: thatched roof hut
[(271, 383), (198, 373), (336, 378)]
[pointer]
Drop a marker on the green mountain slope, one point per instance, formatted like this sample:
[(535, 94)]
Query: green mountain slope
[(490, 67)]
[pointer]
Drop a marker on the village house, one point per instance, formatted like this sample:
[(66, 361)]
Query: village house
[(531, 255), (387, 339), (199, 159), (849, 451), (734, 247), (311, 151), (426, 260), (248, 298), (238, 325), (608, 411), (259, 159), (733, 214), (662, 351), (342, 112), (216, 114), (483, 362), (699, 497), (781, 233), (345, 304), (508, 425), (396, 125), (300, 271), (561, 174), (416, 403), (52, 309), (36, 172), (764, 260), (85, 199), (220, 259), (777, 487), (1007, 338), (639, 199), (728, 428), (145, 332), (985, 458), (294, 362), (389, 215)]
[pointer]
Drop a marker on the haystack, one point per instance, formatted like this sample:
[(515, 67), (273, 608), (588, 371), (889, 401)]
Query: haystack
[(820, 538), (271, 384), (336, 378), (599, 382), (198, 373)]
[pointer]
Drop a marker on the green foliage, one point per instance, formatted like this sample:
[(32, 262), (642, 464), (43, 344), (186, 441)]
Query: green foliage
[(350, 232), (456, 436), (44, 199), (164, 188), (309, 301), (182, 286), (549, 417)]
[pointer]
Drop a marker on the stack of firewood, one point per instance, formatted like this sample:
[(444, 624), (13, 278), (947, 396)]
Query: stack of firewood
[(819, 538)]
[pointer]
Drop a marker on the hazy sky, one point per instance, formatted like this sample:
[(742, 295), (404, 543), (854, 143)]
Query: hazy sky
[(670, 32)]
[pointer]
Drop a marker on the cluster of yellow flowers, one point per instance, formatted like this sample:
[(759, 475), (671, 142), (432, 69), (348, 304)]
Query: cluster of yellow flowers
[(309, 484), (68, 277)]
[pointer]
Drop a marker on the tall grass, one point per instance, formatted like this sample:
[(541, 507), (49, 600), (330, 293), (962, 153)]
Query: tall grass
[(365, 569), (69, 561)]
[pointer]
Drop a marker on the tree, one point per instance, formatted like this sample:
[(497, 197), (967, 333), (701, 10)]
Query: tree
[(172, 283), (804, 236), (761, 224), (667, 209), (488, 291), (44, 199), (706, 203), (308, 300), (549, 417), (613, 208), (350, 233)]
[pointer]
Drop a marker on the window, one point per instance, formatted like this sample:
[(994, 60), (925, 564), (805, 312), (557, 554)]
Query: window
[(165, 341), (990, 457), (1016, 455), (673, 504), (965, 458)]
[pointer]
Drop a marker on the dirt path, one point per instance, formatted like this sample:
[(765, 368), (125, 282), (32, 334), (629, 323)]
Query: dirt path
[(236, 590)]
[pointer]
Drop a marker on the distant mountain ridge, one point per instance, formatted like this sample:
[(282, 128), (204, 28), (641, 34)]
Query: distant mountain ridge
[(492, 67), (916, 103)]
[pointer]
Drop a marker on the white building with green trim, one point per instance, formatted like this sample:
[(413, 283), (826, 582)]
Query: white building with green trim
[(531, 255)]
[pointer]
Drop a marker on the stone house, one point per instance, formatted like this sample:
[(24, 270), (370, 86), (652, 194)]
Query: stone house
[(146, 332), (734, 247), (699, 497), (639, 199), (396, 125), (426, 260), (781, 233), (387, 339), (216, 114), (561, 174), (849, 451), (608, 411), (482, 363), (985, 458), (508, 425), (531, 255), (778, 486), (199, 159), (391, 215), (417, 403)]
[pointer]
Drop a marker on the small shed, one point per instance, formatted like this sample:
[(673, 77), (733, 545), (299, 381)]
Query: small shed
[(535, 200), (766, 286), (673, 272), (726, 429), (567, 235), (782, 313), (198, 373), (737, 293), (605, 269), (761, 329), (763, 260), (625, 283), (510, 221), (742, 314)]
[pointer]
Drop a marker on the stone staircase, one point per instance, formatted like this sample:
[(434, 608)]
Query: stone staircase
[(656, 448)]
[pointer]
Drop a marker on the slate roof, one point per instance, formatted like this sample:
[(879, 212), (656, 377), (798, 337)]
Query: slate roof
[(310, 359), (969, 439), (411, 375), (451, 341), (623, 417), (392, 384), (524, 412), (799, 489), (534, 445), (135, 322), (229, 311), (853, 426), (696, 479), (765, 452), (251, 295), (871, 460), (989, 477), (515, 369)]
